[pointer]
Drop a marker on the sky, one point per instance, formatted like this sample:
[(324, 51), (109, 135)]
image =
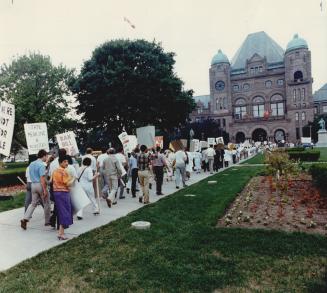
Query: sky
[(69, 30)]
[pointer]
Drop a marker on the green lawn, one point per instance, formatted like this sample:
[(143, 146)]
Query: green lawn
[(17, 202), (323, 154), (182, 252), (257, 159)]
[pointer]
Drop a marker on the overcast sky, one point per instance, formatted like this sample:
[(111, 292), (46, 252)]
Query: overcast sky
[(69, 30)]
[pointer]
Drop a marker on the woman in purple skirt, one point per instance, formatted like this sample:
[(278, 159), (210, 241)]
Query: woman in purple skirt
[(61, 182)]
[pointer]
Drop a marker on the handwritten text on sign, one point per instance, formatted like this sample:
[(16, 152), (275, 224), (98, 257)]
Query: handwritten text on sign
[(67, 141), (36, 137), (7, 122)]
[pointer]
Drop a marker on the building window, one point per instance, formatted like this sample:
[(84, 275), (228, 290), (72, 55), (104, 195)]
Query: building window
[(315, 110), (258, 110), (235, 87), (240, 112), (304, 105), (303, 94), (299, 94), (225, 103), (303, 116), (277, 109), (246, 86), (280, 81), (324, 108), (294, 95), (298, 76), (297, 133), (260, 69), (217, 104), (252, 70), (297, 116), (218, 122), (297, 54), (224, 122), (268, 83), (256, 69)]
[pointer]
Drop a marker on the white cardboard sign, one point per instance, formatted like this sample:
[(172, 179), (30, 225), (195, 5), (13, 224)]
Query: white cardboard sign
[(195, 145), (36, 137), (124, 139), (7, 122), (67, 141), (220, 140), (211, 141), (146, 135)]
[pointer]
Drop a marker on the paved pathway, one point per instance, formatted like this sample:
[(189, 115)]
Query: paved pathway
[(17, 245)]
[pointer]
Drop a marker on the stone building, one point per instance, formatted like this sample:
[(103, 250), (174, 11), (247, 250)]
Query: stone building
[(264, 93), (320, 100)]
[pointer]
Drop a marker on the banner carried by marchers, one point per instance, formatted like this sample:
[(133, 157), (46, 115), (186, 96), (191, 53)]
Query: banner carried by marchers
[(68, 142), (7, 122), (36, 137), (195, 145)]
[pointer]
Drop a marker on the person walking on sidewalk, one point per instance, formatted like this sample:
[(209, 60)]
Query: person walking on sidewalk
[(39, 189), (112, 171), (133, 170), (158, 163), (143, 163), (180, 165)]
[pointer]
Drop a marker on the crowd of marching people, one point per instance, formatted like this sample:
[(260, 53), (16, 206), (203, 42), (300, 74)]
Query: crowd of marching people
[(112, 175)]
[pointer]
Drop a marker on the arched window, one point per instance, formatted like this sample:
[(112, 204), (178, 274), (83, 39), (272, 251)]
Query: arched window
[(240, 108), (277, 105), (303, 116), (258, 107), (298, 76), (297, 116), (225, 103)]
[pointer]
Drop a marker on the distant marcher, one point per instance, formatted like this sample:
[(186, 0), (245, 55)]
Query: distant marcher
[(39, 189), (143, 163), (133, 170), (181, 159), (61, 183), (86, 178), (211, 156), (158, 163)]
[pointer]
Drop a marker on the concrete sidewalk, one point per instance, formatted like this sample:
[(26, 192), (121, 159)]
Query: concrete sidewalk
[(17, 245)]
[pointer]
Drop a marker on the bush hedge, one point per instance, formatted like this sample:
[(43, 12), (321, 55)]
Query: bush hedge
[(296, 149), (10, 179), (319, 176), (309, 155)]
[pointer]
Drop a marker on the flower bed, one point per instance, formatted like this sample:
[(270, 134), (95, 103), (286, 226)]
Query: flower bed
[(291, 205)]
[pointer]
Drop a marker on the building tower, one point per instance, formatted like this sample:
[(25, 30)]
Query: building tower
[(298, 79), (219, 78)]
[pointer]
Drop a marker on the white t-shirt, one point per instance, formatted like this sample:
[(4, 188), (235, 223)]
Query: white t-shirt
[(122, 161), (86, 179), (180, 157), (101, 159), (27, 175), (210, 152), (93, 161), (72, 171), (53, 166)]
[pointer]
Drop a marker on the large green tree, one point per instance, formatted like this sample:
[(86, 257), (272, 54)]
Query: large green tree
[(129, 84), (40, 92)]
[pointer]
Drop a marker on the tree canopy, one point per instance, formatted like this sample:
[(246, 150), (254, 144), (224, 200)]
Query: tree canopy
[(39, 91), (128, 84)]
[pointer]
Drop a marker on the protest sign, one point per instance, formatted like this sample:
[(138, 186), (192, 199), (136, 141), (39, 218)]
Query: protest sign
[(146, 135), (132, 141), (36, 137), (203, 144), (176, 145), (220, 140), (67, 141), (159, 141), (195, 145), (211, 141), (124, 139), (7, 122)]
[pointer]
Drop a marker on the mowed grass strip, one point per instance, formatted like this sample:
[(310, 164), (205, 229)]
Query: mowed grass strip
[(10, 204), (182, 252)]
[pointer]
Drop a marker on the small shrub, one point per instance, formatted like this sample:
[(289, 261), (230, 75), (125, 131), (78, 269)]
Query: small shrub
[(296, 149), (319, 177), (308, 156)]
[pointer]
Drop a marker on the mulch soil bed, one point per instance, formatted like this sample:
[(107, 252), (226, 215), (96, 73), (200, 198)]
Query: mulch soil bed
[(290, 205)]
